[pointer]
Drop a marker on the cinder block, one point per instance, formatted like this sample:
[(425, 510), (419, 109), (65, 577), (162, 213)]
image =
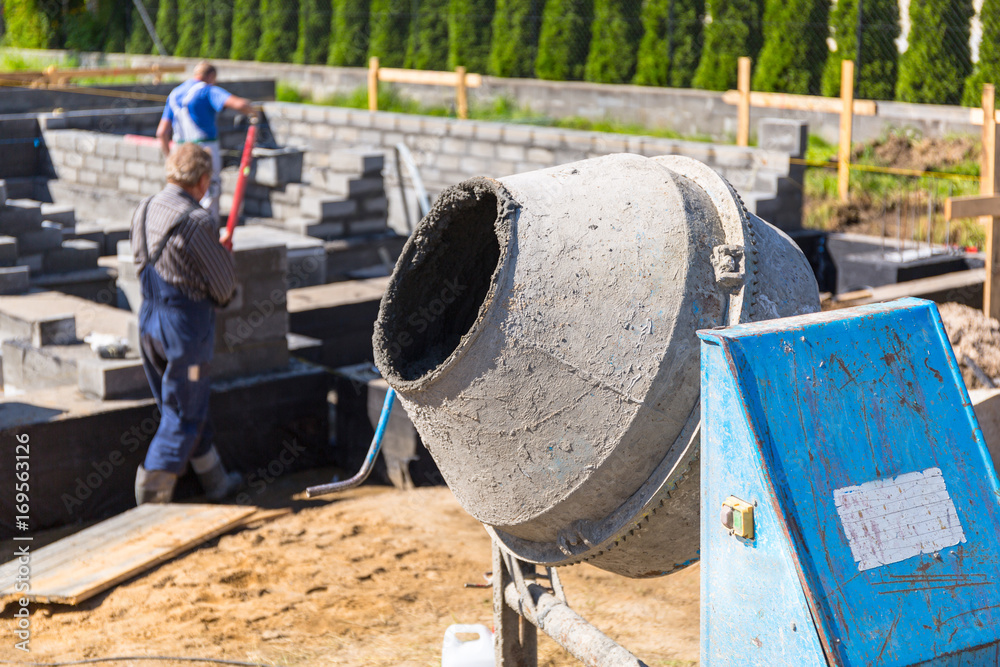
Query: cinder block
[(73, 255), (60, 213), (316, 229), (274, 167), (346, 186), (48, 237), (3, 193), (14, 279), (251, 359), (357, 161), (34, 263), (305, 348), (327, 208), (256, 261), (111, 379), (8, 251), (378, 205), (20, 216), (259, 320), (27, 367), (783, 135), (368, 226)]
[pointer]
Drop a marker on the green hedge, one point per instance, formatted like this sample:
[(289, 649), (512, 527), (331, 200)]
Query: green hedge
[(515, 38), (671, 42), (614, 42), (166, 24), (876, 77), (735, 31), (469, 29), (312, 47), (27, 27), (190, 28), (795, 49), (939, 59), (218, 29), (279, 26), (427, 45), (988, 68), (390, 30), (564, 40), (349, 42)]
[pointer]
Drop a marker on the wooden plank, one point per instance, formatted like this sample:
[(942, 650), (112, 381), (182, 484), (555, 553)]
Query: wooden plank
[(922, 287), (373, 77), (743, 103), (78, 567), (427, 77), (462, 93), (987, 187), (972, 206), (846, 129), (92, 72), (801, 102)]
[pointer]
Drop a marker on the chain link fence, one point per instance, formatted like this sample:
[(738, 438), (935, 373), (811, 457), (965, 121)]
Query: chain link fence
[(932, 51)]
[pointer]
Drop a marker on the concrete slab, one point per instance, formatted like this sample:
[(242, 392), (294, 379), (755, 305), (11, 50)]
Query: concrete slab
[(95, 284), (8, 251), (14, 279), (366, 162), (48, 237), (27, 367), (20, 216), (63, 214), (112, 378), (72, 255), (21, 316)]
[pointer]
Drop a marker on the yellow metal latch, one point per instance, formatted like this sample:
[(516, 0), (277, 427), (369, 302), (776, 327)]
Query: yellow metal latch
[(737, 517)]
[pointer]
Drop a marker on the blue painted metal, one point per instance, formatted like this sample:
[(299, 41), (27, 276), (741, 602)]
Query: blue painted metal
[(796, 408)]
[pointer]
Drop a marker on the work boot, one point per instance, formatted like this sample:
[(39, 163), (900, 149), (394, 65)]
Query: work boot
[(217, 483), (154, 486)]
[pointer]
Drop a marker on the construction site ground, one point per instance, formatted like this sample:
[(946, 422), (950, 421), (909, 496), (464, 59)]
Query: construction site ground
[(371, 577)]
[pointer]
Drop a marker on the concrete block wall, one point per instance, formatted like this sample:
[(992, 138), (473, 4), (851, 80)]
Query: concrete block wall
[(448, 150), (104, 175)]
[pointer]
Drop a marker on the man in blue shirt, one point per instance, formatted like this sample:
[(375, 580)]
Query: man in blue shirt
[(189, 117)]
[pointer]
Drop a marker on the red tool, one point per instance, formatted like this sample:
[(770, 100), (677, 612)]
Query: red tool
[(241, 183)]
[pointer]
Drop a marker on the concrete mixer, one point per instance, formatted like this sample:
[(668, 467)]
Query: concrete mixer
[(540, 331), (614, 362)]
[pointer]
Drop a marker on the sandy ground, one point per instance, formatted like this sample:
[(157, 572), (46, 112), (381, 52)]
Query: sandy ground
[(373, 577)]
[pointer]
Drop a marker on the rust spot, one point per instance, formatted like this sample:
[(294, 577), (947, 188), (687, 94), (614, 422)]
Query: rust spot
[(933, 370), (924, 567), (757, 642), (889, 359)]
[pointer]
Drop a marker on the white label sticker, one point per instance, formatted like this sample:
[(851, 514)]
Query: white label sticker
[(889, 520)]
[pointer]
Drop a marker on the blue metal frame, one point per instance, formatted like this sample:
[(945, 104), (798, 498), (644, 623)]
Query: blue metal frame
[(794, 409)]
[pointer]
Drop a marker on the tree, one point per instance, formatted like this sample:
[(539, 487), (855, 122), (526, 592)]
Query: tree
[(671, 42), (279, 31), (988, 68), (26, 25), (246, 29), (349, 30), (190, 28), (735, 31), (515, 38), (314, 32), (614, 42), (390, 29), (938, 59), (876, 76), (795, 47), (469, 27), (564, 40), (139, 40), (166, 24), (427, 46), (218, 29)]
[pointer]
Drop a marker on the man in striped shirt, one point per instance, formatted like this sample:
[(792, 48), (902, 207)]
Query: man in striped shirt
[(185, 273)]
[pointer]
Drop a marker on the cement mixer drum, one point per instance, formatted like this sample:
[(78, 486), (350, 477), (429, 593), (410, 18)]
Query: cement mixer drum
[(540, 331)]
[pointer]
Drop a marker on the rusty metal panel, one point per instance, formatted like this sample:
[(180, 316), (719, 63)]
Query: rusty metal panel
[(871, 456)]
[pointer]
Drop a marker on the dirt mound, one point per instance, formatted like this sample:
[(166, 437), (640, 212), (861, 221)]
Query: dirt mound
[(922, 154), (372, 577), (973, 336)]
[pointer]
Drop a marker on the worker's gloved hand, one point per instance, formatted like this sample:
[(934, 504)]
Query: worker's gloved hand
[(226, 237)]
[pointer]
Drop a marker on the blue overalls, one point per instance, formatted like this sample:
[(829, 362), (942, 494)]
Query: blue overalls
[(177, 338)]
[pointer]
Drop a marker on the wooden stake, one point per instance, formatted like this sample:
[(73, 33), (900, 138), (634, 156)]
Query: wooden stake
[(743, 107), (846, 127), (461, 93), (373, 83), (988, 186)]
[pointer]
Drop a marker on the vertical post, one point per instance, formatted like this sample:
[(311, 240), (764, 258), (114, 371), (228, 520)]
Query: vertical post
[(506, 621), (988, 186), (743, 108), (846, 126), (373, 83), (461, 93)]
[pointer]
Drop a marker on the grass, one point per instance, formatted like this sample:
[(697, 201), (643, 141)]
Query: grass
[(501, 109), (878, 200)]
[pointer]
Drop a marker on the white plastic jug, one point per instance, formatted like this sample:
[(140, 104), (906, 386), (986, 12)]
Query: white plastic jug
[(475, 653)]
